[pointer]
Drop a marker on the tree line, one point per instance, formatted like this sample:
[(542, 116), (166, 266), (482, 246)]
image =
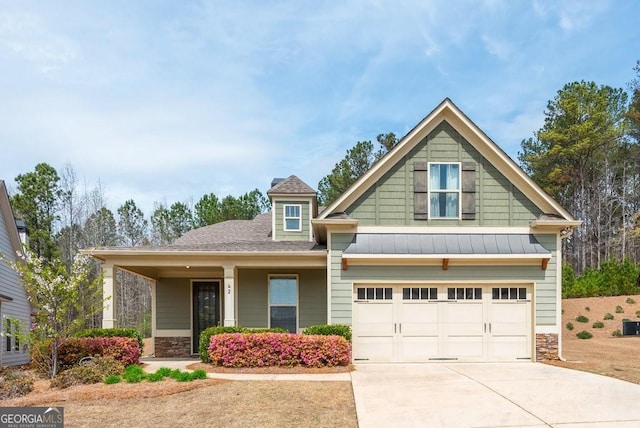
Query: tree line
[(586, 156), (62, 219)]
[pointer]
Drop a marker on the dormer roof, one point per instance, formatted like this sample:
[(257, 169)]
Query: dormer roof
[(291, 185)]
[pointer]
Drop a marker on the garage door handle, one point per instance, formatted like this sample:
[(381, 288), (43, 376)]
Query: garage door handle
[(485, 327), (400, 325), (395, 327), (489, 327)]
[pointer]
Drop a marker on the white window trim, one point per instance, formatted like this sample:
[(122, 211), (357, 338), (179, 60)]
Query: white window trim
[(297, 304), (459, 191), (285, 218), (11, 332)]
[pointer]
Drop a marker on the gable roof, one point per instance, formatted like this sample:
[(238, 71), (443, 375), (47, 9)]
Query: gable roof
[(7, 215), (291, 185), (448, 111)]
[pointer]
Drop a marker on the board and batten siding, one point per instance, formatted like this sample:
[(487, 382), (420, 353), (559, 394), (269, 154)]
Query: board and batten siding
[(173, 304), (17, 309), (390, 201), (342, 280), (253, 303), (287, 235)]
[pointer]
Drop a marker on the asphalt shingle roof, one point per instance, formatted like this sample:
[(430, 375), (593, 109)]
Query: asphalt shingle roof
[(238, 235), (291, 185)]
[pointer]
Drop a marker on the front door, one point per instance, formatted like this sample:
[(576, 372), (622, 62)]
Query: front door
[(206, 308)]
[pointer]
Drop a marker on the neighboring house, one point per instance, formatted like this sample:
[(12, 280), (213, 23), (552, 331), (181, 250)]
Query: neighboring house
[(444, 250), (15, 311)]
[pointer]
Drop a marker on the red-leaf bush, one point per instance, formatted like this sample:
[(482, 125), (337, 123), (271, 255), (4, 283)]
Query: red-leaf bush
[(71, 350), (278, 349)]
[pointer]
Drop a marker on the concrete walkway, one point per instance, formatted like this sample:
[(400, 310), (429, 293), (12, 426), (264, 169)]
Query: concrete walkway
[(153, 364), (491, 395)]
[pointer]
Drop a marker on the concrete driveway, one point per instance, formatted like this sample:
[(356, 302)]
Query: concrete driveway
[(491, 395)]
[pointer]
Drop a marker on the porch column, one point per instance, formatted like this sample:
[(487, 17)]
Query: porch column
[(109, 295), (229, 296)]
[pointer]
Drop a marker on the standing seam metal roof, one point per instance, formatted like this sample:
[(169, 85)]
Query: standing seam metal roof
[(421, 244)]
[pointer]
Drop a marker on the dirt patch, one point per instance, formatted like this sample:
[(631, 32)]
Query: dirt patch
[(603, 354)]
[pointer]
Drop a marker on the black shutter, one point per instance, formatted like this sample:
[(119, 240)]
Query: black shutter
[(468, 191)]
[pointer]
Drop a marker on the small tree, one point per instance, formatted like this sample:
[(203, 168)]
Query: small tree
[(55, 295)]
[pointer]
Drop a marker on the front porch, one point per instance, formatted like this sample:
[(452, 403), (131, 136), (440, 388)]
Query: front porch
[(191, 292)]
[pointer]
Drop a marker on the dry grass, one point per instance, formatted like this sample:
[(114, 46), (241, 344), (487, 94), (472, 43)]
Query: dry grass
[(211, 402), (603, 354)]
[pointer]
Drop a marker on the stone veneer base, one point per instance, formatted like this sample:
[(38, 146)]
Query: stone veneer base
[(546, 346), (172, 347)]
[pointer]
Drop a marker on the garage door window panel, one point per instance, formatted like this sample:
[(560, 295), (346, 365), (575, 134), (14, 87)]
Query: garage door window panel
[(374, 293), (464, 293), (509, 293), (419, 293)]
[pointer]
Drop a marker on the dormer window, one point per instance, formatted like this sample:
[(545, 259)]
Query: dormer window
[(293, 218)]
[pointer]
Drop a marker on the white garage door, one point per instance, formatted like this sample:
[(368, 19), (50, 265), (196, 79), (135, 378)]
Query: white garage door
[(463, 323)]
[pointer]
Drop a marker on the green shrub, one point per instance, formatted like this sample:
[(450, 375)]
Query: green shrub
[(198, 374), (14, 385), (111, 379), (598, 324), (569, 326), (112, 332), (588, 309), (637, 314), (582, 318), (164, 371), (616, 333), (619, 310), (608, 316), (584, 335), (613, 278), (133, 374), (155, 377), (181, 376), (205, 336), (630, 301), (330, 330)]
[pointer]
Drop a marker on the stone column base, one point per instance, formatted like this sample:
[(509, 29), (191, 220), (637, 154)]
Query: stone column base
[(172, 347), (546, 346)]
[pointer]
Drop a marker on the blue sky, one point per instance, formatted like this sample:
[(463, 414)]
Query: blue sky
[(169, 100)]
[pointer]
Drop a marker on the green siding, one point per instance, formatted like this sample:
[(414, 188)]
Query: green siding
[(342, 280), (285, 235), (253, 305), (390, 200), (173, 304)]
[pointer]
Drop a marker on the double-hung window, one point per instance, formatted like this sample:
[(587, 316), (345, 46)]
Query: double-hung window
[(293, 218), (283, 302), (444, 190)]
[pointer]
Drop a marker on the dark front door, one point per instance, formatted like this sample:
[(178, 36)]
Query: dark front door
[(206, 308)]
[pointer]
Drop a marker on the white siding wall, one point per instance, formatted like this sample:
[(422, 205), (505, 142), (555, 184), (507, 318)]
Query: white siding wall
[(18, 308)]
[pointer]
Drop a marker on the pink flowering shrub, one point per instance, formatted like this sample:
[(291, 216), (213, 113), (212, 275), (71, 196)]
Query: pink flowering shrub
[(71, 350), (278, 349)]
